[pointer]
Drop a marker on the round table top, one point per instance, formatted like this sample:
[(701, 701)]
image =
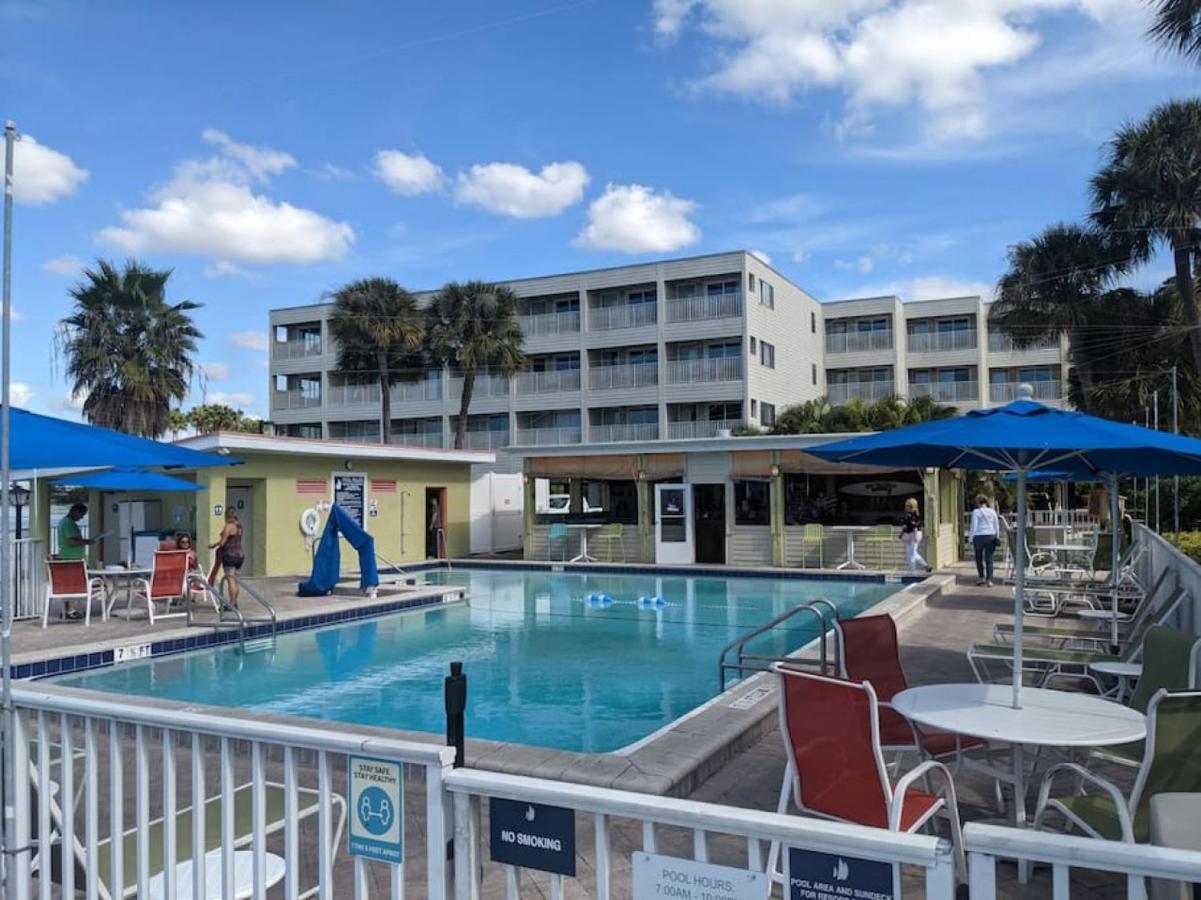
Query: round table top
[(1124, 669), (1047, 718), (243, 876), (585, 524), (849, 528), (121, 572), (1106, 614), (1065, 548)]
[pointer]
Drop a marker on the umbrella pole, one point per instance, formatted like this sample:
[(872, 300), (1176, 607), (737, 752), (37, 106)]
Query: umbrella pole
[(7, 714), (1115, 557), (1019, 600)]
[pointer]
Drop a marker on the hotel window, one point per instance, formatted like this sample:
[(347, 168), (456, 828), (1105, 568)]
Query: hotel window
[(813, 322), (754, 409), (725, 412), (752, 503), (640, 297), (767, 354), (767, 294), (750, 283), (754, 348), (722, 288), (813, 366), (767, 414)]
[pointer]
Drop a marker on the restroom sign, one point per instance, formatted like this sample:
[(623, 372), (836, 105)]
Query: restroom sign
[(376, 809)]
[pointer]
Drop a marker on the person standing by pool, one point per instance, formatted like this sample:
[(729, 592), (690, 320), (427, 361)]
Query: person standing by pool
[(229, 549), (72, 545), (984, 533), (911, 536)]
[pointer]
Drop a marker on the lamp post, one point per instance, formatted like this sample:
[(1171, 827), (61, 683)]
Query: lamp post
[(19, 497)]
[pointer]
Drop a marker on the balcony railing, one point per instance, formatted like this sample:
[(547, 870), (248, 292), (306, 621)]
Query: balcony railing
[(485, 386), (1008, 391), (350, 394), (604, 378), (946, 391), (548, 324), (487, 440), (699, 309), (682, 431), (859, 341), (627, 315), (643, 431), (697, 371), (548, 437), (417, 391), (294, 400), (1002, 342), (555, 381), (942, 341), (434, 439), (867, 391), (295, 349)]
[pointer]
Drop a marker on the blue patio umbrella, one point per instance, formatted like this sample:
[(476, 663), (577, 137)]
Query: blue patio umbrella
[(129, 480), (1025, 437)]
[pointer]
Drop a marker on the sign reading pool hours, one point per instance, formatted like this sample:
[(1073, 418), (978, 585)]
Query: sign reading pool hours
[(350, 492), (657, 877), (830, 876), (376, 809), (532, 836)]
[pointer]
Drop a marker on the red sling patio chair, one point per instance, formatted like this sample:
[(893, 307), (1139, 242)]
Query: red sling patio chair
[(167, 582), (836, 769), (68, 580)]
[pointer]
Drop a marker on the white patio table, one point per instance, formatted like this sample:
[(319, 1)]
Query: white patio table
[(850, 531), (213, 869), (112, 576), (583, 529)]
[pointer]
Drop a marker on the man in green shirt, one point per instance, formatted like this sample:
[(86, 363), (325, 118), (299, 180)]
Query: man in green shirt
[(72, 544)]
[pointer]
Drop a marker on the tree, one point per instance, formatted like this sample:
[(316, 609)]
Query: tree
[(378, 330), (1177, 27), (926, 409), (127, 348), (209, 418), (819, 417), (177, 423), (473, 328), (1148, 194)]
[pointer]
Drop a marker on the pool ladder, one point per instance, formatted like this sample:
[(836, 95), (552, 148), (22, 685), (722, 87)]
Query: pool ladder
[(236, 618), (743, 662)]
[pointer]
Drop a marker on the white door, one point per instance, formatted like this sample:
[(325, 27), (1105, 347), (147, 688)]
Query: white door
[(242, 499), (673, 524)]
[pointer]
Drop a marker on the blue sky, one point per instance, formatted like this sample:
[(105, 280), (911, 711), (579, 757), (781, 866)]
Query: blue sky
[(272, 151)]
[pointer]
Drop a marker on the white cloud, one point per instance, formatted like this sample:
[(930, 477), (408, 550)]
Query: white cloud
[(72, 402), (761, 256), (42, 175), (249, 340), (863, 264), (215, 371), (237, 400), (634, 218), (21, 393), (928, 287), (330, 172), (514, 190), (209, 209), (407, 175), (225, 269), (67, 264)]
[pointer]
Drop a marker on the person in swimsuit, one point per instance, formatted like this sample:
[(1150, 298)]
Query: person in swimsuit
[(229, 548)]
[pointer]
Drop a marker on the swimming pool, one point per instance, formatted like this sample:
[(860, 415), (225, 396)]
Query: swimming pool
[(546, 666)]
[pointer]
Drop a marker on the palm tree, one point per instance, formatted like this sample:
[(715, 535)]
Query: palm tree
[(925, 408), (379, 332), (177, 423), (1149, 194), (473, 328), (1051, 287), (1177, 26), (127, 348)]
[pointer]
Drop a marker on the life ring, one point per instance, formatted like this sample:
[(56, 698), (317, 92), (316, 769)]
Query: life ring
[(310, 521)]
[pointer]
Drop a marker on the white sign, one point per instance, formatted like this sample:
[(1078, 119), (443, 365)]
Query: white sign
[(130, 652), (751, 698), (376, 809), (657, 877)]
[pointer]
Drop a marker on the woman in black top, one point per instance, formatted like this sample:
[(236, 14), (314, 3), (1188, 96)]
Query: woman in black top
[(911, 536)]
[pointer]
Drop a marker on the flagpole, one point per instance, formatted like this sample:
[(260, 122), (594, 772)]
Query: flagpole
[(8, 717)]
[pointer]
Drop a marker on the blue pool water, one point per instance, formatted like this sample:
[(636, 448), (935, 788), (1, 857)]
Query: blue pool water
[(545, 666)]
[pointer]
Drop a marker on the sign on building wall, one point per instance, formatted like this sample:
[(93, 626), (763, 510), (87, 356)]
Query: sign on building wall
[(350, 493)]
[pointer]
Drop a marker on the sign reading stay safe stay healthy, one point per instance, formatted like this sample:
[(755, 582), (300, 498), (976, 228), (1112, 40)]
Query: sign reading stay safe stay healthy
[(829, 876), (656, 877), (532, 836), (376, 809)]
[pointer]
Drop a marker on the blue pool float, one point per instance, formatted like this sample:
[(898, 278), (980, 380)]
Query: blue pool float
[(650, 601), (602, 600)]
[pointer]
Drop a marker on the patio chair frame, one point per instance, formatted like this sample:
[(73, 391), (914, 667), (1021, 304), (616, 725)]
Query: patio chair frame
[(94, 585), (144, 588)]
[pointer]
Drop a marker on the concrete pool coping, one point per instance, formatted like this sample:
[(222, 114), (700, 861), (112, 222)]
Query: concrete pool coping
[(673, 760)]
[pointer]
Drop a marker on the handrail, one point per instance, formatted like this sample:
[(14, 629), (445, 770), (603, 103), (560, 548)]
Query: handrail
[(262, 601), (399, 569), (740, 642)]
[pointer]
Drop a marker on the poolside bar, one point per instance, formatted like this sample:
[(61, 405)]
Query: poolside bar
[(743, 501)]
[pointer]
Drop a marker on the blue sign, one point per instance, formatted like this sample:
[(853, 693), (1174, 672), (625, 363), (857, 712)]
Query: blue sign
[(829, 876), (532, 836), (376, 809)]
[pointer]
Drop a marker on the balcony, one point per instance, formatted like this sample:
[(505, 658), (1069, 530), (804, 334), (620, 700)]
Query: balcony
[(859, 341), (604, 378), (627, 315), (295, 349), (294, 400), (555, 381), (431, 439), (549, 324), (352, 394), (942, 341), (548, 437), (700, 371), (1002, 342), (946, 391), (417, 391), (642, 431), (1044, 391), (867, 391), (684, 431), (700, 309), (487, 440), (485, 386)]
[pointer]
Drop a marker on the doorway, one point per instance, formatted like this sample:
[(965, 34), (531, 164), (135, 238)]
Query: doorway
[(673, 524), (241, 499), (709, 515), (435, 523)]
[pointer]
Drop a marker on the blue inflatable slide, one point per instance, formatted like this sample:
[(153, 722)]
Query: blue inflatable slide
[(327, 563)]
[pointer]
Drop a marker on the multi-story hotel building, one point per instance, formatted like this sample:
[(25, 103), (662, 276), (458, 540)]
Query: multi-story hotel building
[(677, 349)]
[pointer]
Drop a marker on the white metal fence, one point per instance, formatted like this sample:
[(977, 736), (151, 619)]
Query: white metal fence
[(626, 315), (1007, 392), (27, 569), (640, 431), (549, 382), (858, 341), (941, 341), (693, 371), (544, 324), (946, 391), (603, 378), (710, 306), (700, 429), (867, 391)]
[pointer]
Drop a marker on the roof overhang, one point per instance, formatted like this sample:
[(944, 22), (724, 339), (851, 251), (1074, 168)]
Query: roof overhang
[(691, 445), (245, 442)]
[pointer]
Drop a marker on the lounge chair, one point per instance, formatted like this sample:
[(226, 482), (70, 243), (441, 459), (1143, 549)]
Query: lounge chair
[(67, 579), (813, 535), (168, 582)]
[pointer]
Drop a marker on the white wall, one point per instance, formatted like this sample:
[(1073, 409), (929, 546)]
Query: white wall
[(496, 506)]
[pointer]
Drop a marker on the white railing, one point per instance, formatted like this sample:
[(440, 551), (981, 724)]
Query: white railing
[(603, 378), (696, 371), (627, 315), (548, 437), (986, 844), (683, 431), (626, 823), (546, 324), (867, 391), (1008, 391), (417, 391), (946, 391), (485, 386), (487, 440), (295, 349), (550, 382), (27, 568), (1000, 341), (294, 400), (859, 341), (699, 309), (350, 394), (642, 431), (942, 341), (423, 439), (90, 769)]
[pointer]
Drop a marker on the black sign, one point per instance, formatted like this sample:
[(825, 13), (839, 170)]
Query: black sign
[(828, 876), (533, 836), (348, 494)]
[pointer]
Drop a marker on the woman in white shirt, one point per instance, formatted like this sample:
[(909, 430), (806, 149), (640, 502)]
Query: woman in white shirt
[(984, 533)]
